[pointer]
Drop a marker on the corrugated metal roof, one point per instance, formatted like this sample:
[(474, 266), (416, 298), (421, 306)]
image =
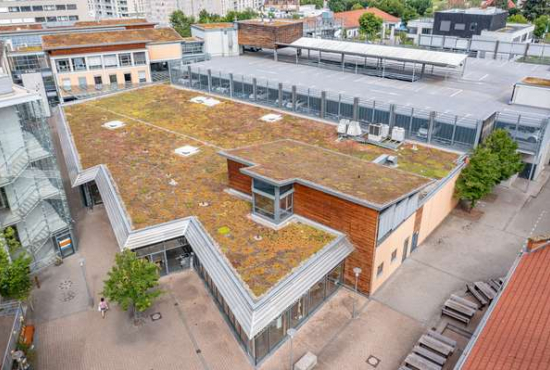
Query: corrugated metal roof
[(437, 58), (252, 315)]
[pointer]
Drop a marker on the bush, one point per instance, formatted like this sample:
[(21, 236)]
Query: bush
[(506, 149)]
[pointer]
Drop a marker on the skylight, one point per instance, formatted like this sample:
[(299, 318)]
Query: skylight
[(113, 125), (186, 151), (272, 117), (209, 102)]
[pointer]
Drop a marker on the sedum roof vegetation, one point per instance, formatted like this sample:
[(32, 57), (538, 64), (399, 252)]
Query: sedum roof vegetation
[(140, 157)]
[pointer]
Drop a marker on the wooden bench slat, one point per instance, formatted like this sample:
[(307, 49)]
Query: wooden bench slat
[(477, 295), (493, 284), (460, 308), (485, 289), (456, 315), (465, 302), (432, 356), (442, 338), (420, 363), (436, 345)]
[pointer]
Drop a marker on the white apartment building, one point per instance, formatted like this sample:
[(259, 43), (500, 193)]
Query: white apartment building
[(43, 11), (102, 9)]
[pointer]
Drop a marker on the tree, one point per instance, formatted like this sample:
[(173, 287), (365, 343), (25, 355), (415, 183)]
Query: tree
[(397, 8), (370, 25), (501, 4), (420, 6), (131, 282), (181, 23), (542, 25), (479, 177), (357, 6), (337, 6), (517, 18), (505, 148), (532, 9), (15, 280), (318, 3)]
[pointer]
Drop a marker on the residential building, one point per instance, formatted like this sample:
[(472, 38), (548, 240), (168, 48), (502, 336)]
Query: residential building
[(272, 233), (220, 39), (32, 199), (417, 27), (493, 3), (111, 59), (350, 21), (512, 32), (51, 12), (468, 22), (28, 63), (514, 332), (105, 9), (282, 5)]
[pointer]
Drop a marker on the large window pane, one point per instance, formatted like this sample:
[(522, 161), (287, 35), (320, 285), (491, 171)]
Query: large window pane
[(63, 65), (298, 312), (261, 345), (110, 61), (79, 64), (285, 206), (139, 58), (125, 59), (94, 62), (316, 295), (264, 206), (264, 187), (334, 279), (277, 330)]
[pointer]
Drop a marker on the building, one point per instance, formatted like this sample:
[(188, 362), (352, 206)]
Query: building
[(269, 34), (32, 199), (350, 21), (492, 3), (514, 332), (27, 62), (513, 32), (286, 6), (111, 59), (468, 22), (417, 27), (105, 9), (220, 39), (54, 12), (272, 233)]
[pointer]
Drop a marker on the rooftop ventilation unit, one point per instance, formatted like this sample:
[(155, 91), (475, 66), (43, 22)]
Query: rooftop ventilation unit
[(342, 128), (186, 151), (385, 131), (398, 134), (113, 125), (209, 102), (5, 84), (354, 129), (271, 117), (375, 132), (391, 161)]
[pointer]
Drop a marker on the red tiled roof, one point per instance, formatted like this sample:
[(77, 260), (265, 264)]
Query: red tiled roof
[(351, 17), (517, 334), (488, 3)]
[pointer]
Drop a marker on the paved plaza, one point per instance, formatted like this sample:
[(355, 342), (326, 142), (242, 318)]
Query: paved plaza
[(192, 334)]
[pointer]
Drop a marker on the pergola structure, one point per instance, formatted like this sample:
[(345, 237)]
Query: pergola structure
[(400, 63)]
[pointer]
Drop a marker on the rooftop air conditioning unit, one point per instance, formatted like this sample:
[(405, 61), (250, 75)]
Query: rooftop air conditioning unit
[(375, 132), (392, 161), (342, 128), (398, 134), (354, 129), (385, 131)]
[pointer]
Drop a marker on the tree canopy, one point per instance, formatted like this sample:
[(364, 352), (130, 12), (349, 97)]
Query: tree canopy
[(479, 177), (501, 143), (532, 9), (542, 25), (397, 8), (131, 282), (181, 23), (370, 25), (517, 18), (15, 281)]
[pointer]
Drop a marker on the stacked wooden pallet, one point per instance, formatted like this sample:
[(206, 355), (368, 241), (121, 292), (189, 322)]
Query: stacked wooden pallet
[(430, 352)]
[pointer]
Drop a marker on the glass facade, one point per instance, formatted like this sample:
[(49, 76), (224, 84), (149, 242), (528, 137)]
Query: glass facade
[(275, 333), (170, 256), (272, 202)]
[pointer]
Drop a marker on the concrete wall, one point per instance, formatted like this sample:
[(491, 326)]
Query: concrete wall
[(218, 41), (395, 242), (104, 73), (161, 52), (533, 96)]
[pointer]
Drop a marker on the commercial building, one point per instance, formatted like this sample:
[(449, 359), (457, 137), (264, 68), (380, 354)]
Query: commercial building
[(514, 332), (51, 12), (32, 199), (512, 32), (111, 59), (237, 192), (350, 22), (220, 39), (468, 22), (27, 62)]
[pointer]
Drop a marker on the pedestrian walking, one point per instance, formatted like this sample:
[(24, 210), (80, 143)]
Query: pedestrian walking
[(103, 307)]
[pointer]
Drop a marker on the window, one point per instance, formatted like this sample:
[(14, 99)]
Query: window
[(37, 8), (94, 62), (286, 205), (264, 187), (60, 7), (98, 81), (298, 312), (473, 26), (125, 59), (113, 79), (79, 64), (63, 65), (49, 8), (82, 83), (445, 26), (40, 19), (261, 344), (273, 202), (142, 77), (51, 19), (393, 255), (334, 279), (277, 330), (25, 9), (73, 17), (3, 199), (460, 26), (67, 84), (380, 269), (139, 58), (110, 61), (127, 78), (316, 295), (71, 6), (264, 206), (14, 9)]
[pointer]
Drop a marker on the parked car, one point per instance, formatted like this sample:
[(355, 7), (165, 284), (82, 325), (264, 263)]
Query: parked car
[(525, 133)]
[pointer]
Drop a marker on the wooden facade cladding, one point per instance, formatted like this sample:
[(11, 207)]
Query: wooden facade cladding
[(266, 35), (358, 222), (97, 49), (237, 180), (418, 219)]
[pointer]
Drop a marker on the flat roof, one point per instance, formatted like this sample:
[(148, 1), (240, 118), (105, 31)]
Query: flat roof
[(271, 22), (481, 11), (287, 161), (84, 39), (438, 58), (485, 88), (140, 157), (534, 81), (213, 26), (516, 334), (119, 22)]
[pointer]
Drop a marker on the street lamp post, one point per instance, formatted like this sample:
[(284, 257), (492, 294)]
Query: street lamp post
[(291, 333), (83, 269), (357, 272)]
